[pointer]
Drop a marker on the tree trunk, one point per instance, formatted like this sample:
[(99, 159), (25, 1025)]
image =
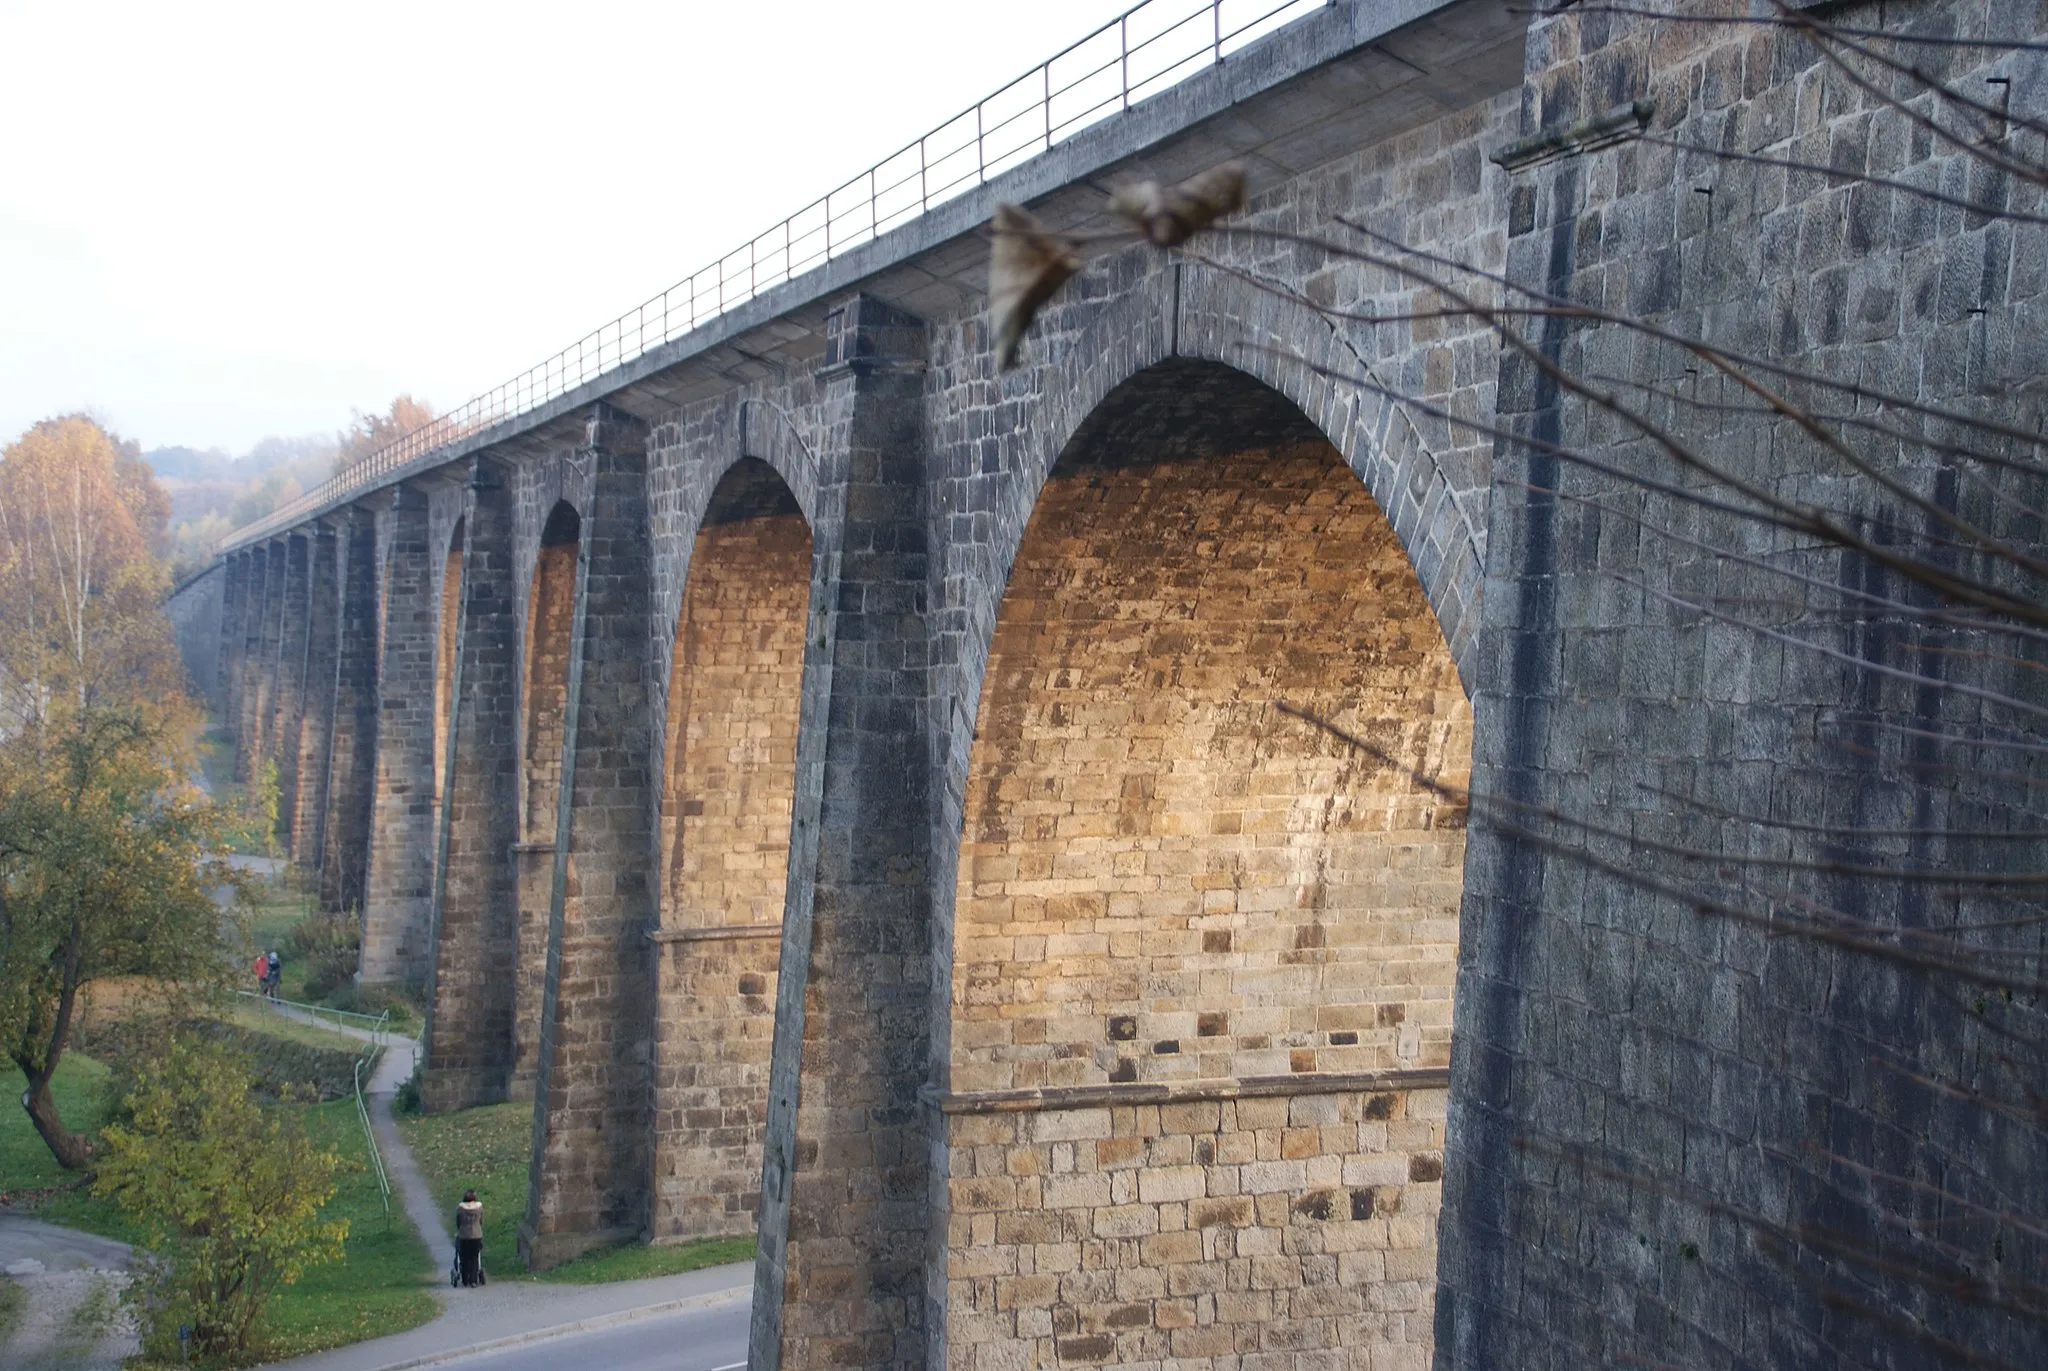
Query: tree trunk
[(72, 1152)]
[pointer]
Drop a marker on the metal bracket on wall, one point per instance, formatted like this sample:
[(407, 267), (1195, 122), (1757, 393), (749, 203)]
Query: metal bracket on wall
[(1616, 126)]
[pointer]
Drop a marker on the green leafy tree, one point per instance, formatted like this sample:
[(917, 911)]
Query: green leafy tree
[(227, 1191), (103, 839), (103, 872)]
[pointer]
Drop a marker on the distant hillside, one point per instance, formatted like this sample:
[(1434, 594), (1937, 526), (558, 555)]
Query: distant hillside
[(213, 494)]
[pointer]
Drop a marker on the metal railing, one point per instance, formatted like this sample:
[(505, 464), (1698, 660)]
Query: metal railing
[(378, 1026), (1144, 51), (370, 1139)]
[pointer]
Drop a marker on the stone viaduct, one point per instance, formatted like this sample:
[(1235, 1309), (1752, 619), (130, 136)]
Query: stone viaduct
[(842, 784)]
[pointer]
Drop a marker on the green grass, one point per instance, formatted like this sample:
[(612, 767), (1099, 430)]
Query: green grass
[(381, 1285), (637, 1261), (274, 906), (248, 1014), (486, 1150), (26, 1165)]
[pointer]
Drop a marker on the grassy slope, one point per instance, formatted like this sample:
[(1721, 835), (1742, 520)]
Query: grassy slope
[(249, 1014), (380, 1285), (25, 1160), (486, 1150)]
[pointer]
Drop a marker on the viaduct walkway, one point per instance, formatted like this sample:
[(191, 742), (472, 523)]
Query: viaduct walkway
[(845, 784)]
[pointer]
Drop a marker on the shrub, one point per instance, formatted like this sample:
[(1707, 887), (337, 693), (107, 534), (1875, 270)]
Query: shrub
[(329, 944), (227, 1191)]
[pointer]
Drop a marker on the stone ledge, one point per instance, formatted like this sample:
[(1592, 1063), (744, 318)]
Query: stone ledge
[(1184, 1092), (712, 935), (518, 848)]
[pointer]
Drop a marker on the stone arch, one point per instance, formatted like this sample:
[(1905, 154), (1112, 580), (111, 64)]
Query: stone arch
[(544, 698), (730, 737), (1202, 951), (1191, 311)]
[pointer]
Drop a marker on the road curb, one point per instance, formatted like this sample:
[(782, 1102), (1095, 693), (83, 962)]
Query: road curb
[(558, 1330)]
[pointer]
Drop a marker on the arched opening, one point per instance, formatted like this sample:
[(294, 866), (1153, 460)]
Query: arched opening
[(735, 680), (444, 660), (1203, 950), (550, 618)]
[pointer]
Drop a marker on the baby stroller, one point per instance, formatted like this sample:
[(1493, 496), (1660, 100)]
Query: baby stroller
[(455, 1271)]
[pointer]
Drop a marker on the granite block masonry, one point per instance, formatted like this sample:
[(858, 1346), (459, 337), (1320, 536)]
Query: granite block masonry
[(352, 741), (904, 808), (397, 911), (470, 999)]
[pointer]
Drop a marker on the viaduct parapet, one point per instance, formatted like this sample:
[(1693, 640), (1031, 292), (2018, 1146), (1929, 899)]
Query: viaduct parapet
[(844, 785)]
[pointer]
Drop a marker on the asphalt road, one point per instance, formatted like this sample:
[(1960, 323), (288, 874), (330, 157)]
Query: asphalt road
[(707, 1338)]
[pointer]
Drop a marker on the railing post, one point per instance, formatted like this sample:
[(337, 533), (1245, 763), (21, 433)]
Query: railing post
[(1123, 43), (1045, 101)]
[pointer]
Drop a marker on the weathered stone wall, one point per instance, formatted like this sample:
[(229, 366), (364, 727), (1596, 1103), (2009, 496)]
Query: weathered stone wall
[(352, 749), (397, 909), (1162, 875), (593, 1091), (259, 655), (316, 718), (549, 620), (1164, 878), (1674, 1136), (289, 702), (1289, 1229), (939, 1024), (735, 683), (472, 997), (444, 658)]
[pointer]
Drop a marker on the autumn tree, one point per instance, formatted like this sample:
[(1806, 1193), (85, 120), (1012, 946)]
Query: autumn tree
[(81, 524), (103, 839), (367, 433)]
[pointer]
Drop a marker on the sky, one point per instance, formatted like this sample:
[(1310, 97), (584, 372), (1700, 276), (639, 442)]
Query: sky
[(220, 221)]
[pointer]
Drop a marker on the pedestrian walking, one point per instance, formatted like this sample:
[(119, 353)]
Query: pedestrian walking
[(260, 969), (469, 1238), (275, 968)]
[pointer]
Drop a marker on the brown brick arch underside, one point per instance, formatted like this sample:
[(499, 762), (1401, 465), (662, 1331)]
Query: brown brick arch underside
[(735, 688), (444, 656), (550, 617), (1163, 879)]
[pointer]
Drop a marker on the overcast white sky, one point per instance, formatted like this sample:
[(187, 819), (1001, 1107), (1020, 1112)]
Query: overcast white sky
[(224, 221)]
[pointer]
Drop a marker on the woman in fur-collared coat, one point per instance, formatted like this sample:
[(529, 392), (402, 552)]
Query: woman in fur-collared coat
[(469, 1237)]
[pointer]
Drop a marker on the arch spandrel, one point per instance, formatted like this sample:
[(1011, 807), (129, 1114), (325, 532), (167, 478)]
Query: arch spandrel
[(1184, 312)]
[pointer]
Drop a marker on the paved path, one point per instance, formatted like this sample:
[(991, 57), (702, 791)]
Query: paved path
[(58, 1249), (73, 1320), (703, 1308), (705, 1337), (701, 1312)]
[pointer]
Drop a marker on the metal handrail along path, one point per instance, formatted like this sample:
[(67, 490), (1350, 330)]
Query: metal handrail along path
[(378, 1026), (370, 1139), (1141, 53)]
